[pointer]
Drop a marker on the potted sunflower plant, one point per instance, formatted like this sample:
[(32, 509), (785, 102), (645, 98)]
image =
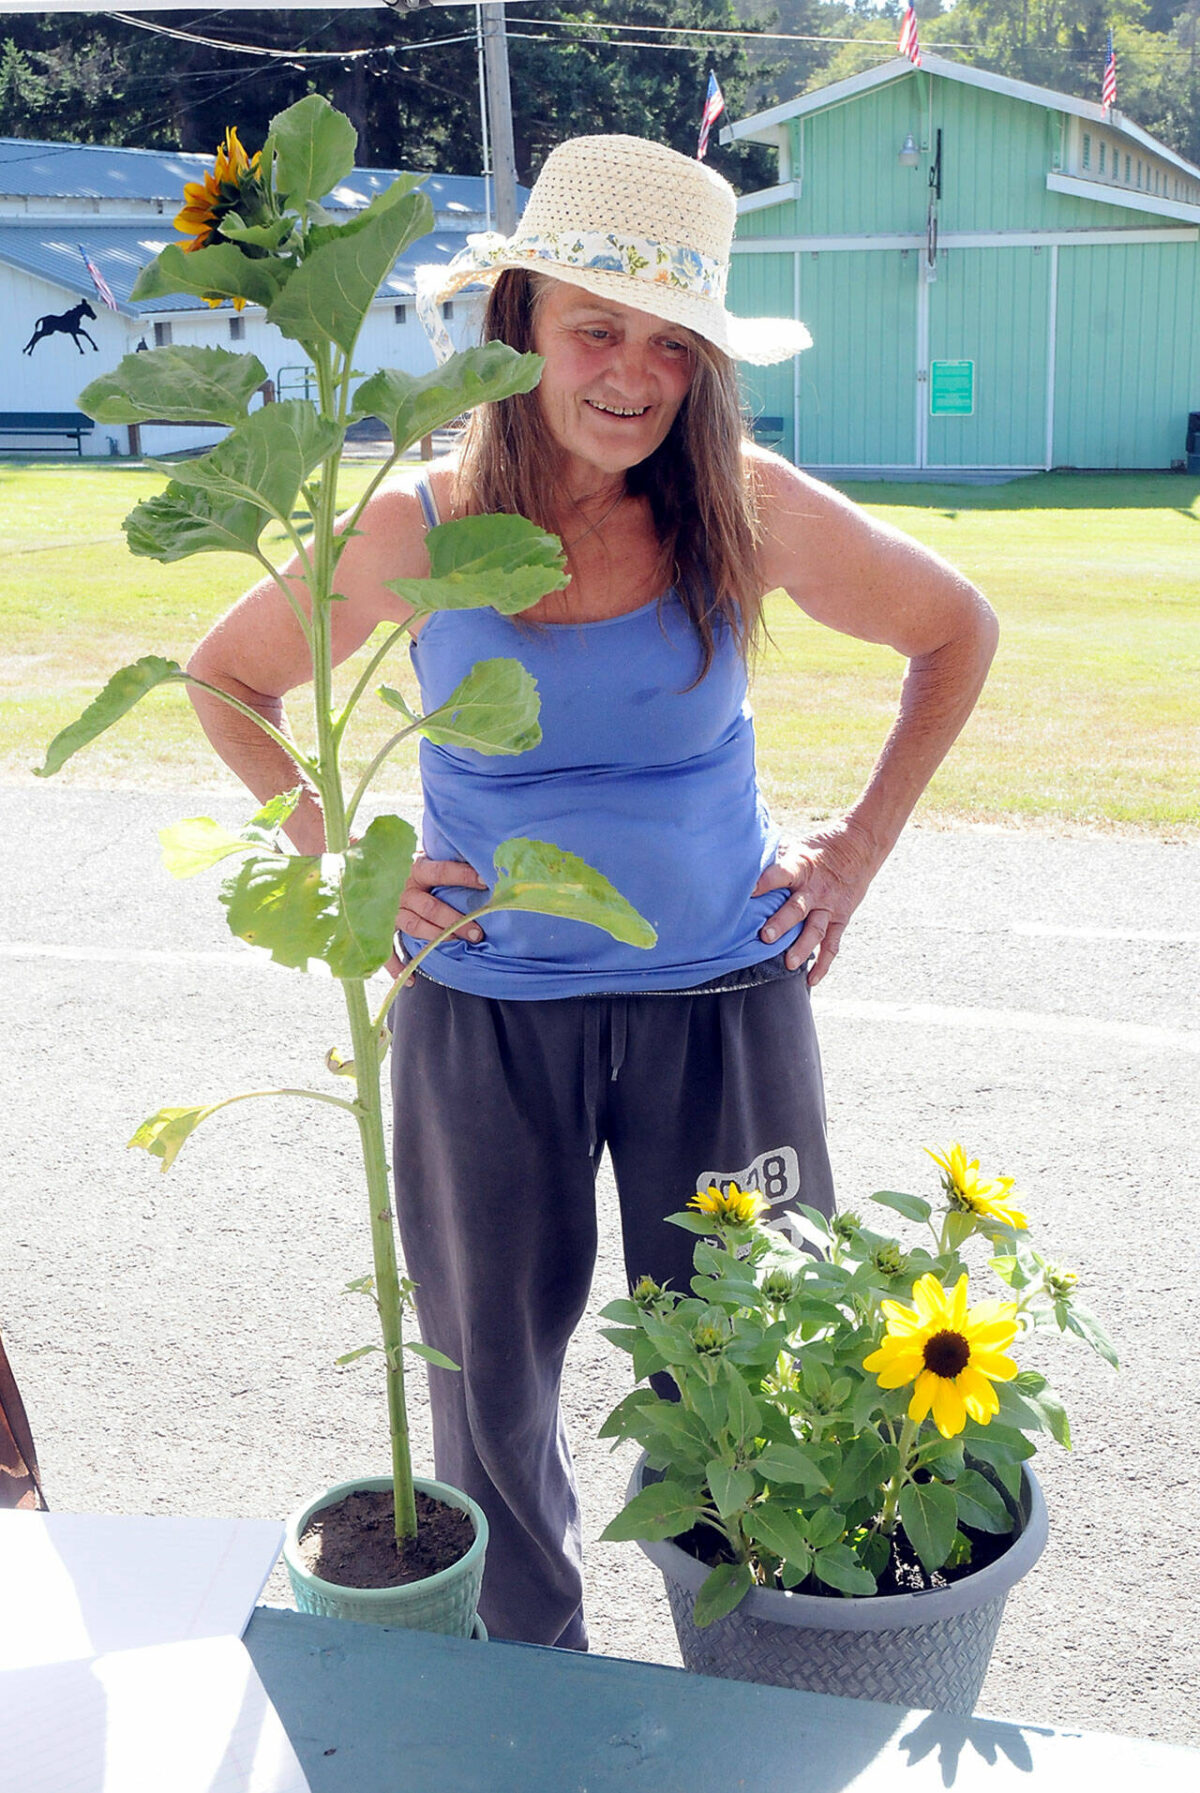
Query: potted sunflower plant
[(255, 231), (838, 1490)]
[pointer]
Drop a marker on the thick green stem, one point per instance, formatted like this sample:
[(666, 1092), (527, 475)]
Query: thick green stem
[(891, 1494), (364, 1032), (383, 1246)]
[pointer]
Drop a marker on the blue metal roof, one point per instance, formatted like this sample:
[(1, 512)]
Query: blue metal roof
[(34, 170), (120, 251)]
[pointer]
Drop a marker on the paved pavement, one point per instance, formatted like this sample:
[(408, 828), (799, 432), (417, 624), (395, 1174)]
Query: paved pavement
[(1034, 995)]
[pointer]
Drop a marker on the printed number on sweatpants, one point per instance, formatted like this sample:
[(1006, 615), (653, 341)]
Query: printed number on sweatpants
[(774, 1173)]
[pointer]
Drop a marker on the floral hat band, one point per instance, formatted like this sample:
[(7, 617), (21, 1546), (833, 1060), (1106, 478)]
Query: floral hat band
[(636, 258), (631, 221)]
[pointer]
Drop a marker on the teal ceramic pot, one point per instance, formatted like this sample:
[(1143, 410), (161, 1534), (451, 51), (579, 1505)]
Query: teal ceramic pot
[(443, 1602)]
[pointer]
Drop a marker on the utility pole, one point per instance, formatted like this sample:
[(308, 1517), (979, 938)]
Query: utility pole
[(499, 105)]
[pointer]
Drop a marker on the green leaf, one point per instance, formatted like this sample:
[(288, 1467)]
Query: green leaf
[(710, 1403), (494, 710), (867, 1465), (929, 1515), (790, 1466), (824, 1526), (720, 1592), (123, 690), (353, 1356), (193, 845), (256, 236), (197, 842), (539, 877), (997, 1444), (414, 405), (266, 459), (913, 1207), (662, 1510), (1027, 1404), (313, 149), (339, 910), (420, 1349), (744, 1417), (178, 384), (839, 1568), (731, 1486), (180, 522), (980, 1504), (166, 1132), (219, 271), (1085, 1325), (782, 1533), (322, 228), (329, 295), (499, 562)]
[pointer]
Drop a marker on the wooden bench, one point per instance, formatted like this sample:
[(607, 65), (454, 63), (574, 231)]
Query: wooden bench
[(768, 431), (70, 424)]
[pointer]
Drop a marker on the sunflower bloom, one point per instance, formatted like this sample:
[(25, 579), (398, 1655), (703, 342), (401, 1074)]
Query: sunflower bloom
[(986, 1198), (232, 185), (950, 1353), (732, 1206)]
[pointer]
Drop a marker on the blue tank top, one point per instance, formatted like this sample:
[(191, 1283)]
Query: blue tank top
[(651, 782)]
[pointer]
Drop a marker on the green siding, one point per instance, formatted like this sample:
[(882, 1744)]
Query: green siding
[(1127, 335), (996, 154), (857, 382), (761, 286), (991, 306), (1127, 354)]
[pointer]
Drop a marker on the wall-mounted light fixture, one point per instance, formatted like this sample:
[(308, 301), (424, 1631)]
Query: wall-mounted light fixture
[(910, 155)]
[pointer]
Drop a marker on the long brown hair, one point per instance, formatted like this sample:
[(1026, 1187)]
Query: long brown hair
[(698, 482)]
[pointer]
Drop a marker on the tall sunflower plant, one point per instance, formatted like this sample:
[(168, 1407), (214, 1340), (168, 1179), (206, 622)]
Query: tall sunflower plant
[(255, 232), (844, 1417)]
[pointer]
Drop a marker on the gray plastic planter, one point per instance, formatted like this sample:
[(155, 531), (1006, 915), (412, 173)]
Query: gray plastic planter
[(443, 1602), (929, 1650)]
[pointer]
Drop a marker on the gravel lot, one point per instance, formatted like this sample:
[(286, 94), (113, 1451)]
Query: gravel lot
[(174, 1337)]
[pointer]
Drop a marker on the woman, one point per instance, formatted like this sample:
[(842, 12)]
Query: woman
[(525, 1050)]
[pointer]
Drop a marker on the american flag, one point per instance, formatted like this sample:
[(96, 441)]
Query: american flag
[(910, 43), (98, 281), (1108, 93), (714, 105)]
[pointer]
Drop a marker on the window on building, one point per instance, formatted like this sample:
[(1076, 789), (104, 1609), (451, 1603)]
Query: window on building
[(448, 311), (1087, 150), (1103, 151), (162, 335), (1139, 180), (237, 329), (399, 314), (1127, 176)]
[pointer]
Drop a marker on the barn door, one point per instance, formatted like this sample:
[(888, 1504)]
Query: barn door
[(983, 371), (854, 385)]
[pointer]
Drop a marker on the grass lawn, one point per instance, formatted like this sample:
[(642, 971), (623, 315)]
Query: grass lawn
[(1090, 718)]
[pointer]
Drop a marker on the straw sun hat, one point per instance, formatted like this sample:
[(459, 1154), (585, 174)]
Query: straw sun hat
[(628, 220)]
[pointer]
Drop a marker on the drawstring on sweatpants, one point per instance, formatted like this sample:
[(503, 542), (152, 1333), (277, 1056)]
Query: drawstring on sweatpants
[(616, 1010)]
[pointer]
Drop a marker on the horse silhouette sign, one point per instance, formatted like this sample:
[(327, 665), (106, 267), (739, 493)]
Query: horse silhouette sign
[(68, 323)]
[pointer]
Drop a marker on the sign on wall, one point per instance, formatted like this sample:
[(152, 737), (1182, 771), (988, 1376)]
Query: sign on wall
[(952, 389)]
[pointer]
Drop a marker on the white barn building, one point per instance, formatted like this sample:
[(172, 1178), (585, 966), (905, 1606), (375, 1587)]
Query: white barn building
[(62, 202)]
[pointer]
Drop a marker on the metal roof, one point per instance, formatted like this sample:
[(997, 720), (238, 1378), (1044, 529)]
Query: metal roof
[(35, 170), (120, 251)]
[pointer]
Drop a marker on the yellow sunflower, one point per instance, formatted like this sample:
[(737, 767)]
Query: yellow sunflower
[(974, 1194), (733, 1206), (951, 1353), (232, 181)]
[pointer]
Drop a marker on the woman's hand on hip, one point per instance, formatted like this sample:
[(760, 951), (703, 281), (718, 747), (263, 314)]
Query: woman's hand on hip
[(827, 876), (425, 916)]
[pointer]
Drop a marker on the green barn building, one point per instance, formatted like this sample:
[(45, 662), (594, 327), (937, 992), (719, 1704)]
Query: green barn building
[(996, 277)]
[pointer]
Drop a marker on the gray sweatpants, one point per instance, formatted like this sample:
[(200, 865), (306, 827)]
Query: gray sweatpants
[(503, 1109)]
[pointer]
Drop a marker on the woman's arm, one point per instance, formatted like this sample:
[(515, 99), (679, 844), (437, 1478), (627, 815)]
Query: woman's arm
[(863, 578), (257, 652)]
